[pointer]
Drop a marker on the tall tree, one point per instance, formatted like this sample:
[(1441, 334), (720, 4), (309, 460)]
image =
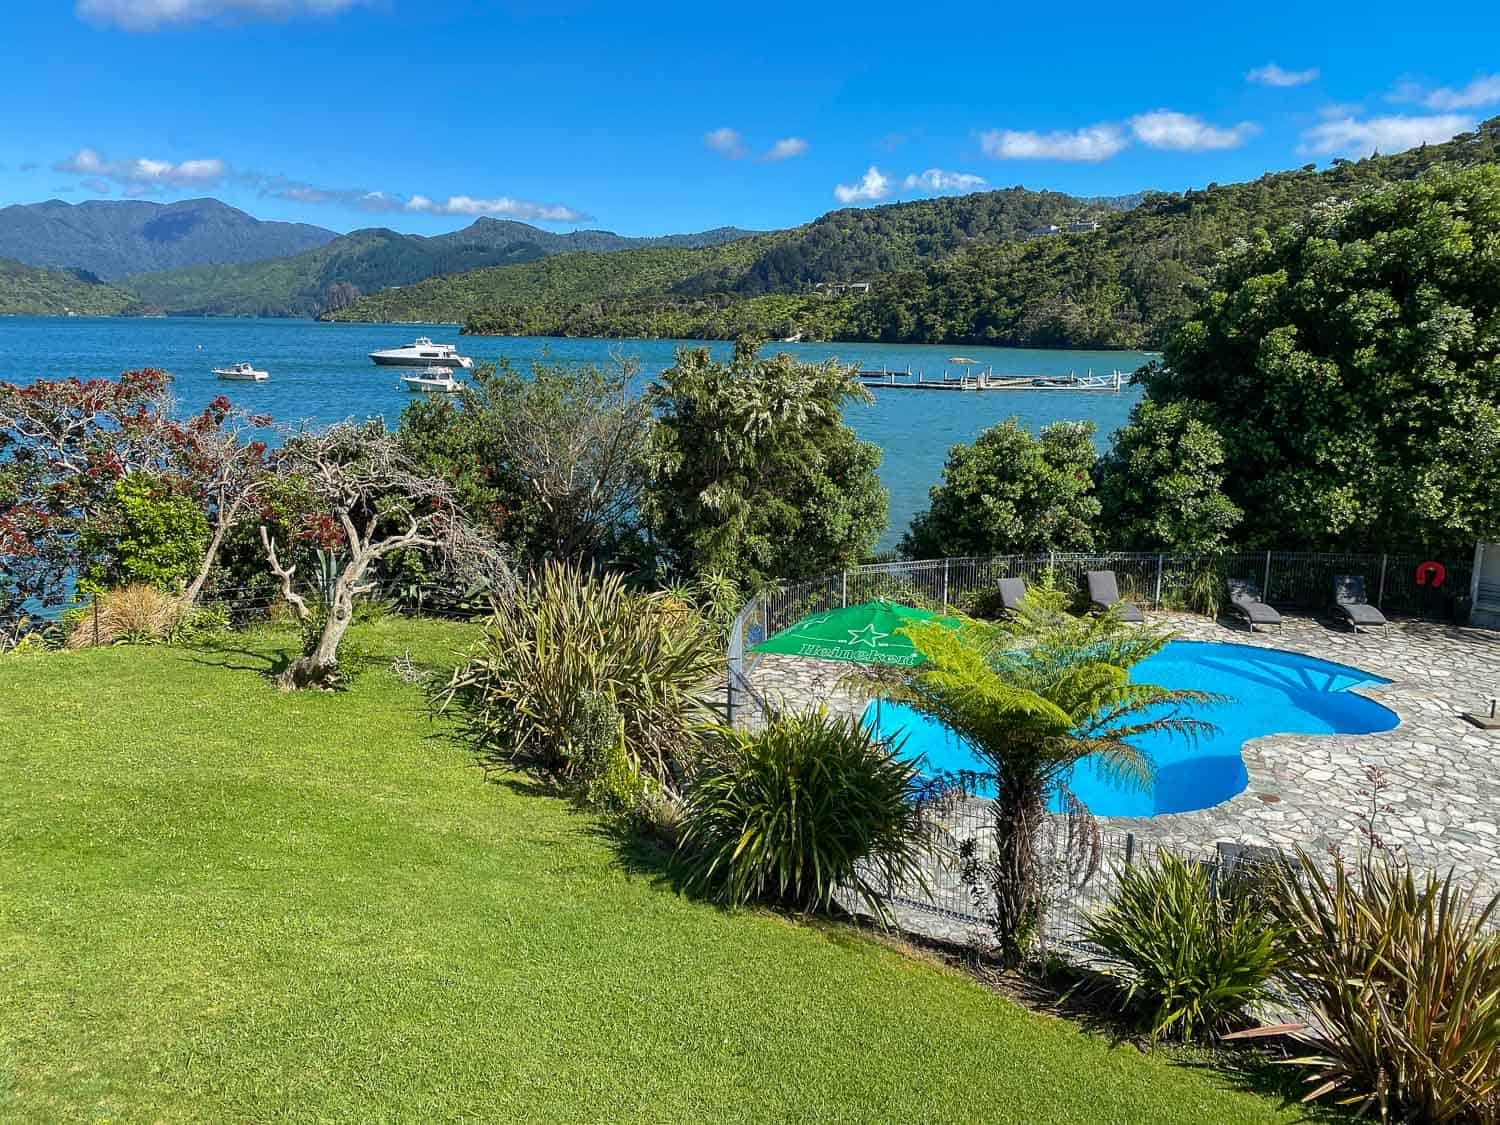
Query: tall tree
[(1352, 368), (758, 476), (1161, 484), (554, 460), (1010, 491)]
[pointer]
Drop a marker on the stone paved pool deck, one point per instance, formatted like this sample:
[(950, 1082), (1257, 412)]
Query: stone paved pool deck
[(1443, 773)]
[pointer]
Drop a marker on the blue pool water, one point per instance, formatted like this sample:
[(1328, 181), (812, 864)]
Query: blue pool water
[(1270, 692)]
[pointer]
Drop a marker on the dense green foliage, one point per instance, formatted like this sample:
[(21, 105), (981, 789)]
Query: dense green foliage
[(1030, 698), (238, 905), (567, 634), (757, 475), (552, 461), (1352, 369), (36, 291), (570, 279), (1402, 973), (147, 533), (331, 277), (807, 807), (1161, 485), (1196, 955), (1010, 492)]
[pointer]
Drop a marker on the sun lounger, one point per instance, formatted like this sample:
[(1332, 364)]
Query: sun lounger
[(1012, 590), (1349, 602), (1104, 592), (1244, 599)]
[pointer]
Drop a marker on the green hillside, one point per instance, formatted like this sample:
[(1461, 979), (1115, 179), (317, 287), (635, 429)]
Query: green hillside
[(847, 245), (364, 261), (963, 270), (565, 279), (35, 291)]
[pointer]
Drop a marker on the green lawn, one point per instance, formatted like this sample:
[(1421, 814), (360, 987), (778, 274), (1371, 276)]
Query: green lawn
[(220, 903)]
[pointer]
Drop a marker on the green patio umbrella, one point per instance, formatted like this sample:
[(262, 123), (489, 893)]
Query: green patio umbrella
[(858, 634)]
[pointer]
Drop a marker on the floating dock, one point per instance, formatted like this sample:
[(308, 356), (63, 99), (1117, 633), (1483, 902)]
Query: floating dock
[(988, 381)]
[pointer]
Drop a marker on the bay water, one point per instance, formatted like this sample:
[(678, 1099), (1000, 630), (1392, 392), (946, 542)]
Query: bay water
[(322, 373)]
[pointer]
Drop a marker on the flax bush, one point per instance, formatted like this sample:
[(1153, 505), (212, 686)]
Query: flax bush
[(794, 812), (567, 633), (1402, 971), (1194, 955)]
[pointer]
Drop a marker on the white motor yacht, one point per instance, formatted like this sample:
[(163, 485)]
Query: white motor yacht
[(421, 352), (432, 380), (242, 372)]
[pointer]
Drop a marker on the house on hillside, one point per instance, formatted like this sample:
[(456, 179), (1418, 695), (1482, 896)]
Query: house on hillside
[(841, 288)]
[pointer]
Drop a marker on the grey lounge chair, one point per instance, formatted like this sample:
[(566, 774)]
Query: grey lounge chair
[(1350, 602), (1012, 590), (1244, 599), (1104, 592)]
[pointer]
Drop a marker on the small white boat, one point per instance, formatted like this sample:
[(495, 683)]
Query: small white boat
[(421, 352), (433, 380), (242, 372)]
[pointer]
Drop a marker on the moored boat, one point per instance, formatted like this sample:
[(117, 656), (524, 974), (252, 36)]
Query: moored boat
[(432, 380), (421, 352), (242, 373)]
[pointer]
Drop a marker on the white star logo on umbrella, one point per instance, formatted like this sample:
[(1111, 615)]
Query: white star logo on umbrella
[(869, 635)]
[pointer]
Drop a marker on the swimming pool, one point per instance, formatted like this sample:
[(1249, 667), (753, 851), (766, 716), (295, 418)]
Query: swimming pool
[(1270, 691)]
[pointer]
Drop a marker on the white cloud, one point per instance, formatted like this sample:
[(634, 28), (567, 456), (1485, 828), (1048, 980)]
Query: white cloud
[(1484, 90), (1096, 142), (149, 15), (1182, 132), (1395, 133), (875, 185), (502, 205), (1273, 75), (786, 148), (137, 173), (726, 142), (938, 179), (384, 203)]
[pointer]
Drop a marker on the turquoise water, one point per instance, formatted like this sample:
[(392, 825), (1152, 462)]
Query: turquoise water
[(321, 372), (1269, 691)]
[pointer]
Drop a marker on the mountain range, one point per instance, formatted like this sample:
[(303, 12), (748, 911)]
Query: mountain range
[(333, 275), (113, 237)]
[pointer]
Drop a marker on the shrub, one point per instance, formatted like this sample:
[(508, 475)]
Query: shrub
[(797, 811), (569, 632), (1196, 956), (609, 783), (134, 614), (206, 623), (1402, 974)]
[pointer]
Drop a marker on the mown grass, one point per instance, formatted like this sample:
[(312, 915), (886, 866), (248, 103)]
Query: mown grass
[(221, 903)]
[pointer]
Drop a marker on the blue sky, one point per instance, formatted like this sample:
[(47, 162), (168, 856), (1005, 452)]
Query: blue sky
[(652, 118)]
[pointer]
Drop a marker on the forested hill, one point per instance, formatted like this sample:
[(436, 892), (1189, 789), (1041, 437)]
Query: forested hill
[(363, 261), (958, 270), (38, 291), (114, 237), (847, 245)]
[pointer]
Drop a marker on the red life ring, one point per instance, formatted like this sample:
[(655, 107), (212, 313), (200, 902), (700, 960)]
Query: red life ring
[(1436, 570)]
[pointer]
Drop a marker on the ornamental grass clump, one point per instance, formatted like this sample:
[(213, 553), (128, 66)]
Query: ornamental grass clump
[(1194, 955), (794, 813), (1401, 974), (567, 635), (134, 614)]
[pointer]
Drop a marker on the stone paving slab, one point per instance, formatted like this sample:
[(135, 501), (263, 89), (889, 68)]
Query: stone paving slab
[(1443, 773)]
